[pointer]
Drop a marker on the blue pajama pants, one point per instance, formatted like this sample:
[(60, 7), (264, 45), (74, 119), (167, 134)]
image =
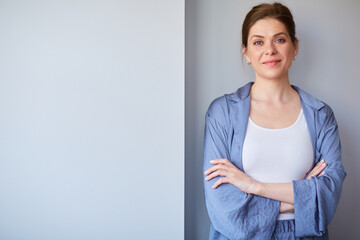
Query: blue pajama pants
[(285, 230)]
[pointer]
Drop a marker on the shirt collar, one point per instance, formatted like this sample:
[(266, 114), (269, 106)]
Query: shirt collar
[(244, 92)]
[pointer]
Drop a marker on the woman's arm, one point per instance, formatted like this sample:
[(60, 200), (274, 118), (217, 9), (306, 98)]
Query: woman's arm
[(316, 171), (283, 192), (316, 199), (234, 214), (286, 208)]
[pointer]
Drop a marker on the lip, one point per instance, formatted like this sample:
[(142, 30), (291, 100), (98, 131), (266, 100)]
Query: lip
[(272, 62)]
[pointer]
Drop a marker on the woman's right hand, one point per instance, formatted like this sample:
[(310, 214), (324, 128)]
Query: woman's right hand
[(316, 171)]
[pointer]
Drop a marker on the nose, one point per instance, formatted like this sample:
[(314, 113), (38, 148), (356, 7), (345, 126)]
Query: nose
[(270, 49)]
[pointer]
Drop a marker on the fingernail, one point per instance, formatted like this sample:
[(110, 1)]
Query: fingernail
[(205, 172), (213, 186), (322, 160), (323, 165), (211, 161)]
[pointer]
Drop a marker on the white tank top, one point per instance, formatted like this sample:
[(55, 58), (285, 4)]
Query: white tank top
[(278, 155)]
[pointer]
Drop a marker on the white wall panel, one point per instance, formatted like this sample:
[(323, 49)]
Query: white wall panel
[(91, 120)]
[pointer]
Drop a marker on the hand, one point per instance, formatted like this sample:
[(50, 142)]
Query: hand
[(319, 167), (232, 175)]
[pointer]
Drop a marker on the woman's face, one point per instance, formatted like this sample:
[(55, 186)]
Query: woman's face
[(270, 49)]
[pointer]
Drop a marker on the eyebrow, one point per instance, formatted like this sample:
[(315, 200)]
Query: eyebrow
[(277, 34)]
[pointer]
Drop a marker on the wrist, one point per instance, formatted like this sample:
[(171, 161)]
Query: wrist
[(256, 188)]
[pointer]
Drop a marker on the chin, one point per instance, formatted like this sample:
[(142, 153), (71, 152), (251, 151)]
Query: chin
[(273, 76)]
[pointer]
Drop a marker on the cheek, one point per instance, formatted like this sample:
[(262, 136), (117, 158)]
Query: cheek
[(254, 53), (289, 52)]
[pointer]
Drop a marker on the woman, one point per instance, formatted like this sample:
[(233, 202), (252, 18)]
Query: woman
[(272, 153)]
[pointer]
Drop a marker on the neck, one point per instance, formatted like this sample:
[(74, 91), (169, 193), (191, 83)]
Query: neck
[(272, 90)]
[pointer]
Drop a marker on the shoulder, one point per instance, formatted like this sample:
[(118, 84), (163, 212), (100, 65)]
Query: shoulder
[(312, 101), (221, 107), (322, 111), (309, 99), (218, 110)]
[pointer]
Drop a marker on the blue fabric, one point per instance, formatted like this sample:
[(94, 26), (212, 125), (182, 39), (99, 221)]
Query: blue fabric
[(285, 229), (238, 215)]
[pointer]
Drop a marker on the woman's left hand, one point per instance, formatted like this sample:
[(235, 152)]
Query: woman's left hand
[(232, 175)]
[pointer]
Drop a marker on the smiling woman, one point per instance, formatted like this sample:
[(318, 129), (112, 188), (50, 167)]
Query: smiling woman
[(270, 49), (272, 152)]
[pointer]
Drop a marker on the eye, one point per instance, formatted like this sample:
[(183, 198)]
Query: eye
[(280, 40), (258, 43)]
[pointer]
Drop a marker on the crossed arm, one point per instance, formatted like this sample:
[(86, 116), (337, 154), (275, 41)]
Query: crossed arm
[(282, 192)]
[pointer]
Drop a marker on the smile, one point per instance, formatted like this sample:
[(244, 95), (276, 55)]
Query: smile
[(272, 62)]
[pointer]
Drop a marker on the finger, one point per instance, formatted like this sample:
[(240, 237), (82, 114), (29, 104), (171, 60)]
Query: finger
[(221, 161), (317, 166), (215, 168), (216, 174), (317, 169), (321, 168), (313, 169), (219, 182)]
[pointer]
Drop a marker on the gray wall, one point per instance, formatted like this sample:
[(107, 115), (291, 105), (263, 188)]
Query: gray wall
[(327, 66), (91, 120)]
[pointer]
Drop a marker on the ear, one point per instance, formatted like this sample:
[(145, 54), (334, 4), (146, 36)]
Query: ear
[(296, 47), (244, 50)]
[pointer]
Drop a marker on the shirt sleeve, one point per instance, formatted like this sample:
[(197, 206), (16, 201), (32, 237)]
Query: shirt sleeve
[(234, 213), (316, 199)]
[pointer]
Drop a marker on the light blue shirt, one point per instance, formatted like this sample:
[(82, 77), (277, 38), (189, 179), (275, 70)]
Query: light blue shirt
[(238, 215)]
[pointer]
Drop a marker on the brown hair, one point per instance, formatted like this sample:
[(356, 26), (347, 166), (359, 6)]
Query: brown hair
[(276, 11)]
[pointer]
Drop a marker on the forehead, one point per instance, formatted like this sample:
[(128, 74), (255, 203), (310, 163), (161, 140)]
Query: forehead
[(267, 27)]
